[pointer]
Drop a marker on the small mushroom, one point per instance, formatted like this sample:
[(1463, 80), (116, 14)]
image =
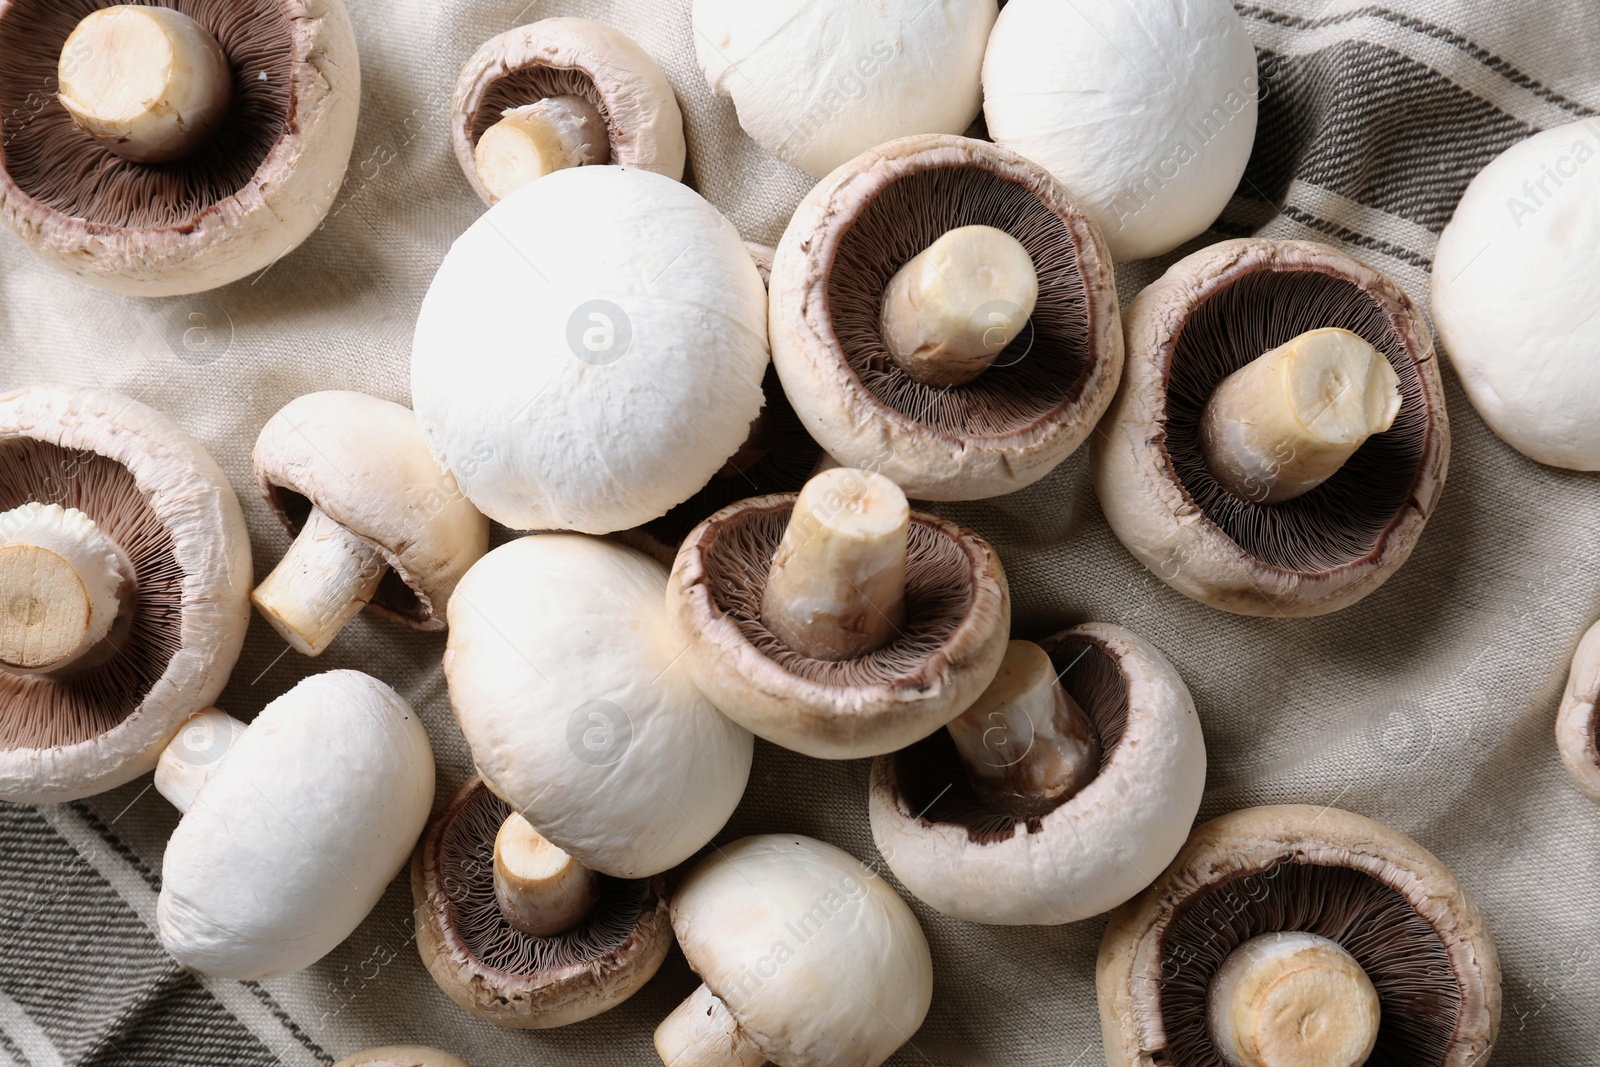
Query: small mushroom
[(1577, 725), (402, 1056), (1057, 795), (573, 697), (817, 83), (519, 933), (906, 273), (837, 622), (1515, 285), (124, 578), (558, 93), (293, 826), (1146, 110), (184, 149), (807, 959), (376, 522), (1299, 936), (590, 353), (1245, 515)]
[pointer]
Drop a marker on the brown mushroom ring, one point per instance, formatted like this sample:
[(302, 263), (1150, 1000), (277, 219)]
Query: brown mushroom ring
[(1577, 725)]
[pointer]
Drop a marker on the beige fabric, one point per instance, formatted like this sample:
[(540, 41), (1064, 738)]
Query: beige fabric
[(1429, 706)]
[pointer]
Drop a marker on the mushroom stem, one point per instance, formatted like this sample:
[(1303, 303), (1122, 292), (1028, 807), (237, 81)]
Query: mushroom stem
[(328, 575), (150, 83), (702, 1032), (62, 583), (1286, 422), (194, 754), (1292, 1000), (541, 890), (1027, 746), (836, 590), (950, 311), (531, 141)]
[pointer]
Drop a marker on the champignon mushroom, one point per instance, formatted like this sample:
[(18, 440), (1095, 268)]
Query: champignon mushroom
[(1515, 284), (817, 83), (1219, 328), (519, 933), (855, 280), (807, 959), (590, 352), (1057, 795), (191, 144), (1146, 111), (572, 695), (1577, 725), (376, 522), (1264, 942), (558, 93), (837, 622), (124, 580), (293, 826), (402, 1056)]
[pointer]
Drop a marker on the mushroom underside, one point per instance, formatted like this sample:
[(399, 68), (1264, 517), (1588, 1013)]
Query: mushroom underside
[(394, 597), (61, 166), (529, 85), (1397, 947), (933, 782), (1345, 519), (939, 594), (54, 712), (1041, 372)]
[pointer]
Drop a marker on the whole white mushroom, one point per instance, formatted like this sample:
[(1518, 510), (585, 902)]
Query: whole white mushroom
[(1515, 285), (1145, 109)]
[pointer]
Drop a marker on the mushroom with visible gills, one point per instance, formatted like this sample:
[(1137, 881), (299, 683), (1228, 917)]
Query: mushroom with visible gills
[(402, 1056), (837, 622), (376, 522), (124, 582), (1577, 725), (517, 932), (806, 959)]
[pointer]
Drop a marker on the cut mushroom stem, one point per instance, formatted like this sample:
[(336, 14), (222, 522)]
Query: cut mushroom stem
[(538, 139), (193, 756), (1027, 746), (1285, 423), (150, 83), (328, 575), (702, 1032), (541, 890), (1292, 1000), (836, 590), (950, 311), (62, 583)]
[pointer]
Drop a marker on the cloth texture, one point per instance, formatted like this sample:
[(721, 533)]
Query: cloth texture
[(1429, 705)]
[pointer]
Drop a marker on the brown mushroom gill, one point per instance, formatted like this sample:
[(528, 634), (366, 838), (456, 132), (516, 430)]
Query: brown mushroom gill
[(1400, 952), (529, 85), (738, 553), (1343, 520), (1038, 374), (466, 875), (52, 712), (934, 783), (393, 594), (61, 166)]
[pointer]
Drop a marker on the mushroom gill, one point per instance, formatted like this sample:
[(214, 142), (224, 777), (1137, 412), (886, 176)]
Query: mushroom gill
[(89, 700), (1043, 369), (51, 160), (1345, 519), (517, 88), (934, 782)]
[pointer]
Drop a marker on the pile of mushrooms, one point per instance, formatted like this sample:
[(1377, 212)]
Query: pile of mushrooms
[(181, 151)]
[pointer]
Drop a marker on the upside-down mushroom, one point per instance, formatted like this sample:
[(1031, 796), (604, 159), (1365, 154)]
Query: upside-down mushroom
[(402, 1056), (1577, 724)]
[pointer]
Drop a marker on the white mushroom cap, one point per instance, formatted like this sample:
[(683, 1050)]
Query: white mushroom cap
[(298, 832), (1515, 285), (1094, 851), (579, 711), (819, 961), (1145, 109), (1577, 726), (402, 1056), (591, 351), (817, 83), (140, 477), (571, 57)]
